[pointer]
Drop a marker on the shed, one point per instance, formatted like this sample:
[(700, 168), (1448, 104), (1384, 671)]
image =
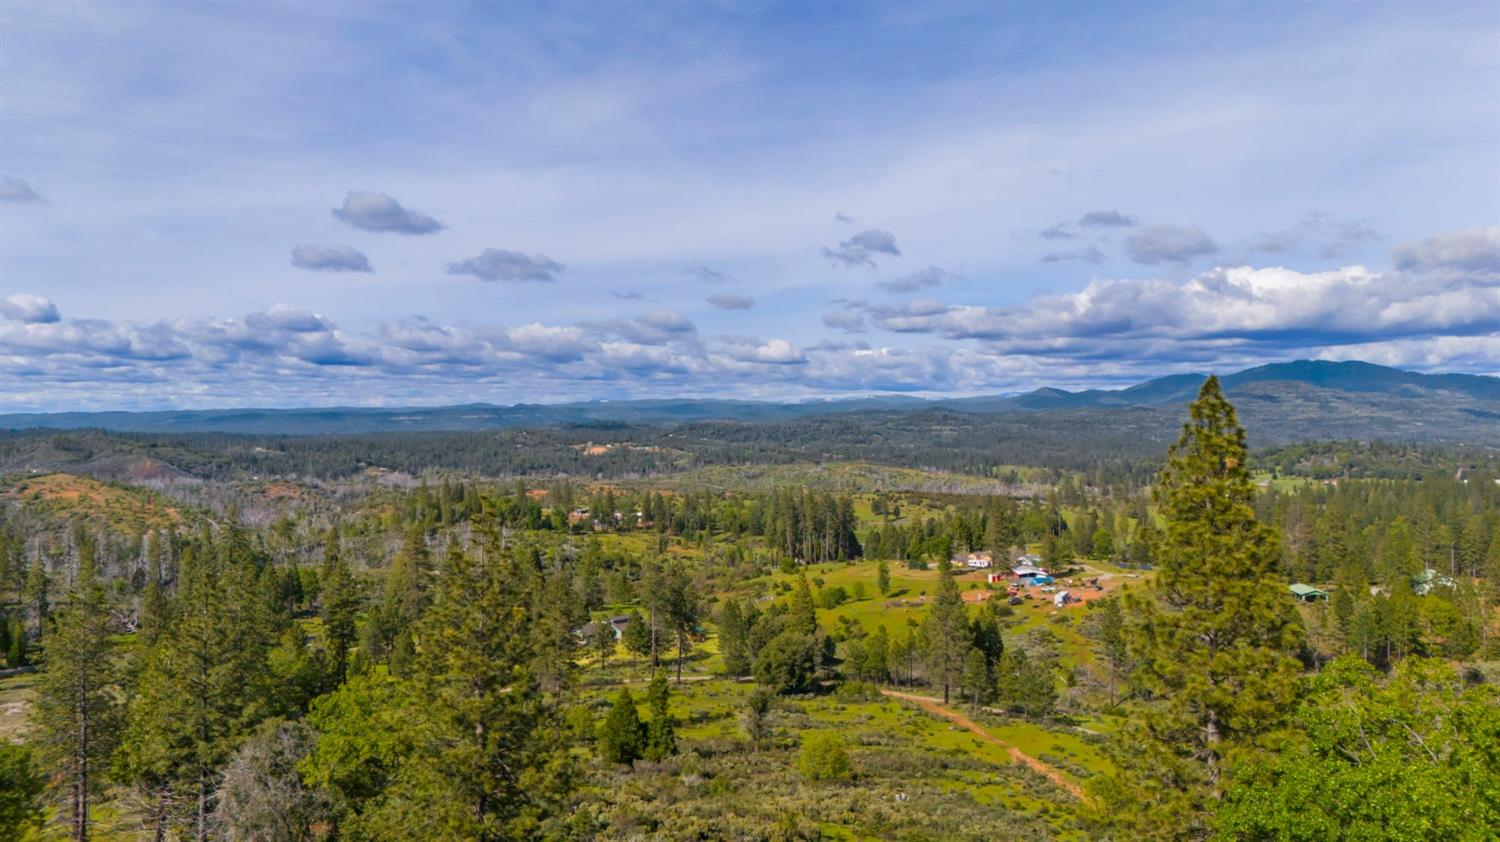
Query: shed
[(1308, 593)]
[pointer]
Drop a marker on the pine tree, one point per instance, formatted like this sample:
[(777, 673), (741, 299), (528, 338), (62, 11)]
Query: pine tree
[(203, 687), (637, 637), (945, 632), (76, 714), (1112, 643), (661, 733), (340, 611), (492, 763), (883, 577), (804, 613), (733, 639), (603, 641), (1213, 639), (621, 736)]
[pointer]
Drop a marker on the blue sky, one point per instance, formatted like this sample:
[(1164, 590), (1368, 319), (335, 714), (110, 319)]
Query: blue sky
[(302, 204)]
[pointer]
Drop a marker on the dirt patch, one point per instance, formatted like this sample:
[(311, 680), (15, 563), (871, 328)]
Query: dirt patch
[(935, 707)]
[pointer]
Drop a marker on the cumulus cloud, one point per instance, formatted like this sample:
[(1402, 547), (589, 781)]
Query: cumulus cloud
[(840, 216), (727, 301), (1438, 306), (774, 352), (921, 279), (1475, 251), (1106, 219), (849, 319), (330, 259), (18, 190), (1058, 232), (29, 309), (1169, 244), (657, 327), (1088, 254), (1227, 311), (506, 265), (378, 212), (628, 295), (858, 249)]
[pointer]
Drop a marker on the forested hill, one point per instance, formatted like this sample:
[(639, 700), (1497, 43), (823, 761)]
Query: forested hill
[(1282, 402)]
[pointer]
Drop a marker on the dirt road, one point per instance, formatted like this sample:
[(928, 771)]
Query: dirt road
[(935, 706)]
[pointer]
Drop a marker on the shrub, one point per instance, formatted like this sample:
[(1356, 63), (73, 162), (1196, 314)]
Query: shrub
[(823, 757)]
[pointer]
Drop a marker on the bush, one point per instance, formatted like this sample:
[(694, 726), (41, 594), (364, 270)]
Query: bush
[(823, 757), (787, 663)]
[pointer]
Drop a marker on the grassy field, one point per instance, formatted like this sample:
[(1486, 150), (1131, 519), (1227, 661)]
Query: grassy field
[(946, 781), (15, 696)]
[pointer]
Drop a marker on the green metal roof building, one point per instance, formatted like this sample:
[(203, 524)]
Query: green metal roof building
[(1308, 593)]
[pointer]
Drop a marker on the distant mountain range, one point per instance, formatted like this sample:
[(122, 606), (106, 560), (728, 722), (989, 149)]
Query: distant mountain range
[(1283, 401)]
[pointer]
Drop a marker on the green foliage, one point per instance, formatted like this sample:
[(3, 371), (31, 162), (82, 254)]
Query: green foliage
[(823, 757), (1213, 641), (945, 632), (76, 712), (976, 677), (362, 736), (788, 663), (1412, 757), (622, 736), (487, 761), (661, 733), (340, 612), (21, 787), (1025, 686), (756, 716)]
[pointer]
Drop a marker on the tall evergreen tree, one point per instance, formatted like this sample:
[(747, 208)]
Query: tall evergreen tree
[(661, 732), (945, 632), (1213, 640), (491, 763), (340, 610), (76, 713)]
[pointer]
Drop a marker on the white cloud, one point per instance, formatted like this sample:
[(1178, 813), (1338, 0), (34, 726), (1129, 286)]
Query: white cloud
[(24, 307)]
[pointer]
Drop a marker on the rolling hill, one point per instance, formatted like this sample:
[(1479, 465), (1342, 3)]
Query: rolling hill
[(1279, 403)]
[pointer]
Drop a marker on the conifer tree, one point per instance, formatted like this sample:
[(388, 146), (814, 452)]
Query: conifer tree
[(203, 687), (76, 714), (804, 614), (637, 637), (945, 632), (1213, 639), (491, 763), (883, 577), (340, 610), (603, 641), (621, 735), (661, 733), (733, 639)]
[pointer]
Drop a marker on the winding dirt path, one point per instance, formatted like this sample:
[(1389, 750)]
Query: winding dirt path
[(935, 707)]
